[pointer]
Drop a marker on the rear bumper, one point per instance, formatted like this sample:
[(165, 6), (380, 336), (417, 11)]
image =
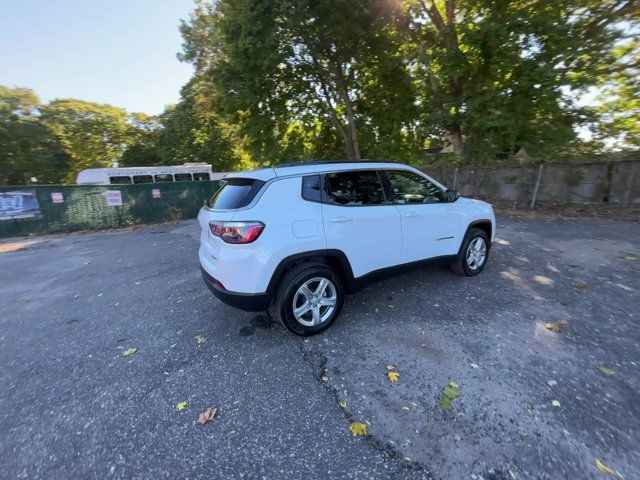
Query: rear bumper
[(250, 302)]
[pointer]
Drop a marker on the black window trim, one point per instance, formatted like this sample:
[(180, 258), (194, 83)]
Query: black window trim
[(391, 194), (325, 193)]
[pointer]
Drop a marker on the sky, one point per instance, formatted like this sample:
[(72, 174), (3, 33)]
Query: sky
[(120, 52)]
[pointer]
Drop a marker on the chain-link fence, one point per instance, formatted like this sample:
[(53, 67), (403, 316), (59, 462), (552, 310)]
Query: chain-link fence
[(67, 208), (611, 182)]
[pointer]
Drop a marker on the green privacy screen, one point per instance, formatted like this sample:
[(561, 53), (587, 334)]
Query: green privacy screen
[(68, 208)]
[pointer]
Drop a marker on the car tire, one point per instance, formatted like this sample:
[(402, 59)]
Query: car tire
[(473, 254), (300, 287)]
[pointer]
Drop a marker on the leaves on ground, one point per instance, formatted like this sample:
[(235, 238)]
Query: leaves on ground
[(358, 429), (449, 393), (555, 403), (181, 406), (393, 376), (343, 405), (129, 351), (553, 326), (200, 339), (603, 468), (606, 370), (207, 415)]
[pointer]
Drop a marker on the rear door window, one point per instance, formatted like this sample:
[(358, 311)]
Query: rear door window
[(354, 188), (235, 193)]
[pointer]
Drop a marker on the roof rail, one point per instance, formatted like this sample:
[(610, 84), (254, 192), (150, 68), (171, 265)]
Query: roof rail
[(325, 162)]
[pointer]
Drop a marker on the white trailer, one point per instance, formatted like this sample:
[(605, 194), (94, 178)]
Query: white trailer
[(187, 172)]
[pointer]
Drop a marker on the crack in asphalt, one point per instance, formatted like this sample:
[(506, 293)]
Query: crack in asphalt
[(318, 362)]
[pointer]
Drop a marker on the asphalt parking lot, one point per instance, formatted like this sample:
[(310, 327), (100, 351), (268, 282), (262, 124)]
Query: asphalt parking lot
[(534, 400)]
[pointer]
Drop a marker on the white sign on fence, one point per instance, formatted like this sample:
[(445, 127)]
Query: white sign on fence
[(113, 198), (57, 197), (155, 192)]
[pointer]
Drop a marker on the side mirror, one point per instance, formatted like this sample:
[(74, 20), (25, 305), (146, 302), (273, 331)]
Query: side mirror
[(451, 195)]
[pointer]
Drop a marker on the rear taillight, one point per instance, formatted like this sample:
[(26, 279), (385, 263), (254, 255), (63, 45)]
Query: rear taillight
[(237, 232)]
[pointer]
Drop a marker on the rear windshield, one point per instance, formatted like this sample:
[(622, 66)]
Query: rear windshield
[(235, 193)]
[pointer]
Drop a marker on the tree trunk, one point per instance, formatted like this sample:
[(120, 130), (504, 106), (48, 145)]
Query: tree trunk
[(455, 135)]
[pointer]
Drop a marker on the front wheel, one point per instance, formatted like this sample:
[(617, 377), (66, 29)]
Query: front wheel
[(473, 254), (309, 299)]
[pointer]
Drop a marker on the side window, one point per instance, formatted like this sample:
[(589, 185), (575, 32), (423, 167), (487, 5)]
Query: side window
[(119, 180), (311, 188), (354, 188), (164, 177), (409, 187), (201, 176), (142, 179), (183, 177)]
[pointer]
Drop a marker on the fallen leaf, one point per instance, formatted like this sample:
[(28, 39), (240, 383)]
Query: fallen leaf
[(393, 376), (406, 409), (201, 339), (630, 257), (207, 415), (552, 383), (473, 365), (343, 405), (391, 367), (357, 429), (606, 370), (129, 351), (181, 406), (448, 394), (603, 468), (324, 378), (100, 294), (553, 326), (555, 403)]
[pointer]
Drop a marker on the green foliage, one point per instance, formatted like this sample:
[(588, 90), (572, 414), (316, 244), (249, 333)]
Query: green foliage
[(286, 80)]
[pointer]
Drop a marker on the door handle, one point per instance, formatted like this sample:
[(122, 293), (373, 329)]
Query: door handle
[(341, 220), (412, 214)]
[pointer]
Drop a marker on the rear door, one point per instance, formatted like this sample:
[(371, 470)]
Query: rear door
[(429, 225), (235, 193), (360, 221)]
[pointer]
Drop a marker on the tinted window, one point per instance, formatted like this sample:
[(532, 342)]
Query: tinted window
[(235, 193), (183, 177), (355, 188), (311, 188), (164, 177), (119, 180), (201, 176), (142, 179), (409, 187)]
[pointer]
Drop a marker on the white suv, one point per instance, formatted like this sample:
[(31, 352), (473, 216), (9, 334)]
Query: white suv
[(296, 238)]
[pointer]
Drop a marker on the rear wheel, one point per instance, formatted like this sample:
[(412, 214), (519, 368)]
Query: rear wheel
[(473, 254), (309, 299)]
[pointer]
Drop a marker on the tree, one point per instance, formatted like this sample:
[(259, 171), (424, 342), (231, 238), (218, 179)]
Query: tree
[(191, 132), (27, 150), (619, 109), (270, 65), (93, 135), (493, 74)]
